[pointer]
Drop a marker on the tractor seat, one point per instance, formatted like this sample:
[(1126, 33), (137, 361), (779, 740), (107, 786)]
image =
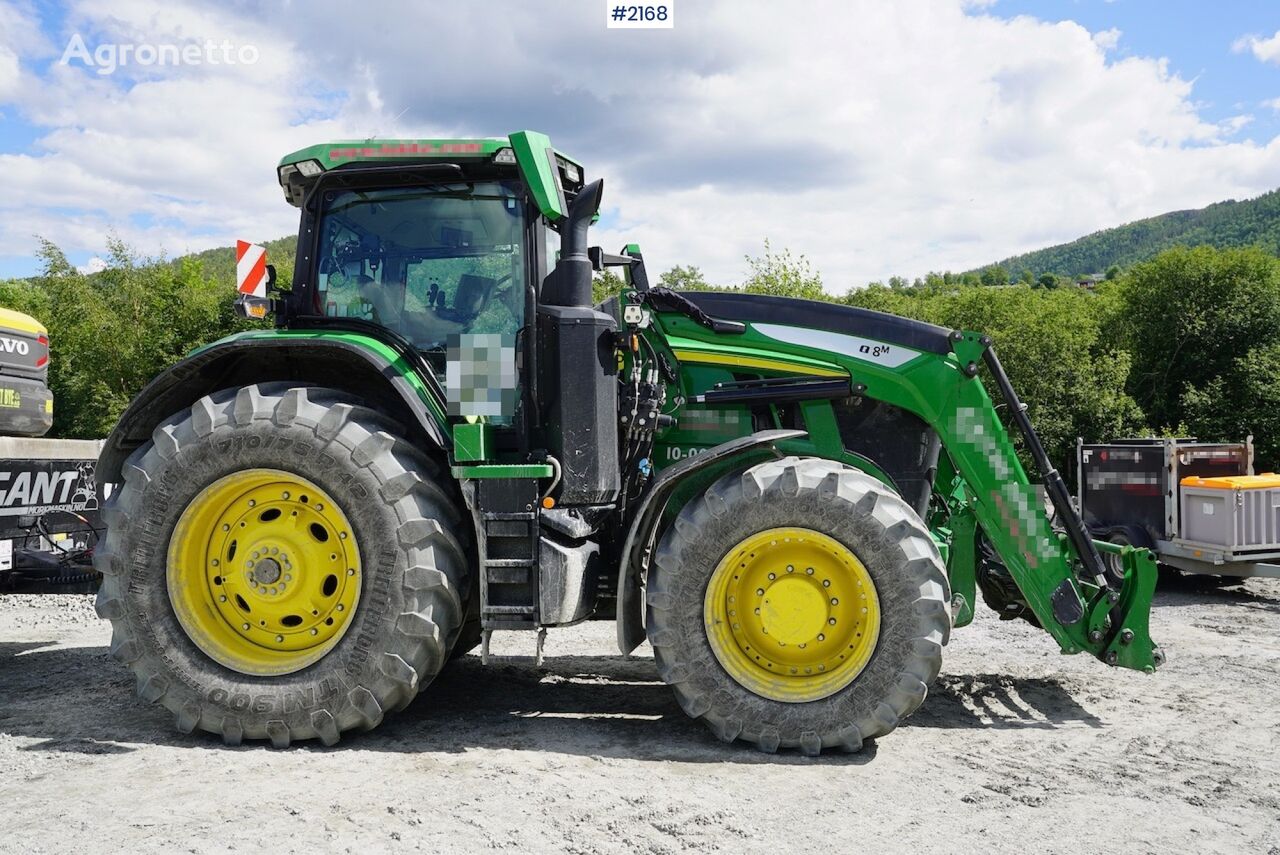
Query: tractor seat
[(472, 296)]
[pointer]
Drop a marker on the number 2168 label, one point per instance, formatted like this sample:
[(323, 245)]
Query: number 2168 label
[(622, 15)]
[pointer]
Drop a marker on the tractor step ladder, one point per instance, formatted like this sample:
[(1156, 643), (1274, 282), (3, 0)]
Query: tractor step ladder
[(509, 571)]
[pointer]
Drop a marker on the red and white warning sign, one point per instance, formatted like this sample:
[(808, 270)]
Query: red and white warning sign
[(251, 269)]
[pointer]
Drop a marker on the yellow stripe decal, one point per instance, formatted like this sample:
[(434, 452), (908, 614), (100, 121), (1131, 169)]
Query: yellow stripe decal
[(729, 359)]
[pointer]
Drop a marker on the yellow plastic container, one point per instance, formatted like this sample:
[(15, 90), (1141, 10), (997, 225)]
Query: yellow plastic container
[(1265, 481)]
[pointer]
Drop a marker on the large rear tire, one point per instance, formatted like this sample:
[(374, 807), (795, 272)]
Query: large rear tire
[(798, 604), (279, 564)]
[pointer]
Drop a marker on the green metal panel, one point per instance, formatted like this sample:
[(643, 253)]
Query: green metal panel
[(472, 442), (505, 470), (537, 162)]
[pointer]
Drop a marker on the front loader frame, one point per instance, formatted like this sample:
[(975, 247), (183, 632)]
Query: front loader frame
[(1060, 576)]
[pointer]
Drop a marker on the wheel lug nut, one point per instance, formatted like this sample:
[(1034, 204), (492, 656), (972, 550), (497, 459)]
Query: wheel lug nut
[(759, 592), (244, 626), (286, 494), (279, 638), (222, 598), (253, 503), (315, 631), (809, 570), (821, 637), (214, 562), (831, 621), (791, 569), (772, 576), (835, 601)]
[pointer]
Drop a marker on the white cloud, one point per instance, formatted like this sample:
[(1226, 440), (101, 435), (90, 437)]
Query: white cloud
[(1273, 103), (876, 138), (1107, 39), (1264, 49), (96, 264)]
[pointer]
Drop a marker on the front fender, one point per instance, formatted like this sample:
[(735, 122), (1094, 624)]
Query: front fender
[(641, 534)]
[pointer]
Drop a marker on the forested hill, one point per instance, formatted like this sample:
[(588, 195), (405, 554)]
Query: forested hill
[(1221, 225), (220, 264)]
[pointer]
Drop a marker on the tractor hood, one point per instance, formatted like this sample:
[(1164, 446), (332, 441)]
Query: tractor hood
[(758, 309)]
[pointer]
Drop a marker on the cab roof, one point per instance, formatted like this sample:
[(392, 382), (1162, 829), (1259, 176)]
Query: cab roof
[(549, 172)]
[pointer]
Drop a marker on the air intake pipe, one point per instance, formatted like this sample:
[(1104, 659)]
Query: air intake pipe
[(570, 282), (577, 367)]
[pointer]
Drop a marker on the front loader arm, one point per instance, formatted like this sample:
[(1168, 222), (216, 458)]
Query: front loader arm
[(1061, 576)]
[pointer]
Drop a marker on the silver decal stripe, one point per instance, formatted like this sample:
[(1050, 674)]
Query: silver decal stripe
[(866, 349)]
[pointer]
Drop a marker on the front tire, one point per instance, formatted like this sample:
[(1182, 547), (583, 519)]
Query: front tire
[(798, 604), (312, 620)]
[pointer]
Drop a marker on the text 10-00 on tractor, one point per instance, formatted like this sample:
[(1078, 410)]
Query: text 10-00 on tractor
[(442, 437)]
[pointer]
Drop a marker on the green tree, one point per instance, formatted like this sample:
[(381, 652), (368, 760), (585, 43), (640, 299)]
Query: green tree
[(781, 274), (606, 284), (684, 279), (994, 275), (1113, 272), (1193, 319), (1047, 280), (1243, 400), (111, 332)]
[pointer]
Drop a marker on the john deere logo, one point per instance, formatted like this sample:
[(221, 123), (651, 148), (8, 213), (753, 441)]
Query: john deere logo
[(14, 345)]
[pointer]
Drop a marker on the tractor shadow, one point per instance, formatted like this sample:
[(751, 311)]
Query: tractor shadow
[(78, 700)]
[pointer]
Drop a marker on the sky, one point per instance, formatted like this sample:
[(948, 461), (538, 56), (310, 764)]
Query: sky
[(877, 139)]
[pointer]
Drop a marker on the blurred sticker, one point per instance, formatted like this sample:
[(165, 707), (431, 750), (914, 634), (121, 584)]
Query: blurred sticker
[(6, 554), (480, 375)]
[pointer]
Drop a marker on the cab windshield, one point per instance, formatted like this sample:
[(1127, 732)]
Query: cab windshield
[(429, 262)]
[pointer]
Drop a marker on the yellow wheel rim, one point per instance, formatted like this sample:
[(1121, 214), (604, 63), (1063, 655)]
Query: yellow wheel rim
[(264, 572), (792, 614)]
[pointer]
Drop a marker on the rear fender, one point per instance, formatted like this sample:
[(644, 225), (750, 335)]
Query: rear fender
[(349, 363)]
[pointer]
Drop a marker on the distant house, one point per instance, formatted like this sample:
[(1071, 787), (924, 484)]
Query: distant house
[(1091, 281)]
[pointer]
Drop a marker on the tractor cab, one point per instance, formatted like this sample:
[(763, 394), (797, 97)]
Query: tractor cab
[(472, 255), (429, 239)]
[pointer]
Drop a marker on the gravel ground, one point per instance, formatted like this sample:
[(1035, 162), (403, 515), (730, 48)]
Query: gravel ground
[(1016, 749)]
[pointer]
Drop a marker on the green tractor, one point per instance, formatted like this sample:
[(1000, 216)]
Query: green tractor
[(442, 437)]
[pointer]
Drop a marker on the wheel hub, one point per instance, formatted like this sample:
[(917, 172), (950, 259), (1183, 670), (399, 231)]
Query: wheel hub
[(264, 574), (793, 611), (792, 614), (267, 571)]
